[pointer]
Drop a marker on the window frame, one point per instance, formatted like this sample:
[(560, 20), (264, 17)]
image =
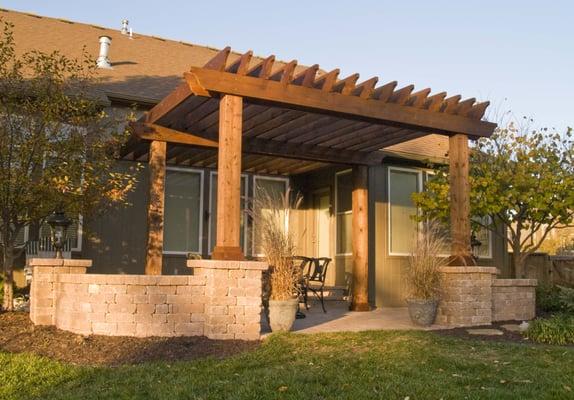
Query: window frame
[(420, 173), (201, 191), (210, 209), (283, 179), (488, 256), (337, 213)]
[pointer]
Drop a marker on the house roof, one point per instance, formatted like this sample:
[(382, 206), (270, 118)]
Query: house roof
[(147, 68)]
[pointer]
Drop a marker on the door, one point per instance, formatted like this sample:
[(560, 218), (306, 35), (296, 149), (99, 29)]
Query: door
[(322, 242)]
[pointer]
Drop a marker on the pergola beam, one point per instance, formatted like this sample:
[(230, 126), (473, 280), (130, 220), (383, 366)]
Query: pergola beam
[(208, 82), (227, 245), (258, 146), (459, 201), (155, 210)]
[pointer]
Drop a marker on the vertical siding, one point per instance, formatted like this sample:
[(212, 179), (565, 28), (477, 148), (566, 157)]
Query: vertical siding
[(116, 240)]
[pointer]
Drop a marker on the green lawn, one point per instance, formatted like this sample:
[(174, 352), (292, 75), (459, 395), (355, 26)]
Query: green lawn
[(386, 365)]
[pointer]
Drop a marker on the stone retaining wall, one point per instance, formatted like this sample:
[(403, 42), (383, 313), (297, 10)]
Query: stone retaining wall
[(513, 299), (222, 300), (473, 296)]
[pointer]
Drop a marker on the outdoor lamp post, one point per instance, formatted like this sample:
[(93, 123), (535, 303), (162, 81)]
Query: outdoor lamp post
[(59, 224), (475, 246)]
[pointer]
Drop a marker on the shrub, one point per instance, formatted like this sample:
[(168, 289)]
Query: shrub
[(567, 299), (557, 329), (553, 298), (548, 298), (424, 277)]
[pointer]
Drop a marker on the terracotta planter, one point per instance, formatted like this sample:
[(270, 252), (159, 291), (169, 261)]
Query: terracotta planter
[(282, 314), (422, 311)]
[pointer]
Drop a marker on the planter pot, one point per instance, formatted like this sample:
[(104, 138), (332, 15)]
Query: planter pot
[(282, 314), (422, 311)]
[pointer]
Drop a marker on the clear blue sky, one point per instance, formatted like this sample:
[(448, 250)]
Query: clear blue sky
[(518, 54)]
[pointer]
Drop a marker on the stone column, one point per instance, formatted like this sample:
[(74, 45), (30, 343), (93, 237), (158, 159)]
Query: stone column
[(42, 289), (467, 296), (233, 291)]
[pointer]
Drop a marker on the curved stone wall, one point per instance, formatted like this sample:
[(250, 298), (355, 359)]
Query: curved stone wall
[(222, 300)]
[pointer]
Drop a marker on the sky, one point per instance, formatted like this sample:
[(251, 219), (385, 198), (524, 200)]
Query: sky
[(517, 54)]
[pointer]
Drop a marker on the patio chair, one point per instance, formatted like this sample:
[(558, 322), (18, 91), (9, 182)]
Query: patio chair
[(314, 280)]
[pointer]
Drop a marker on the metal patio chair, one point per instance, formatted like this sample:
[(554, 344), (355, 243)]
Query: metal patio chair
[(314, 280)]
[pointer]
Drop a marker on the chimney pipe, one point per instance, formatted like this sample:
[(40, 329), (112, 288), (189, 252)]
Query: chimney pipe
[(103, 60), (125, 23)]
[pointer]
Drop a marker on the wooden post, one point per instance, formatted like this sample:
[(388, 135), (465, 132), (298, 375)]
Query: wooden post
[(155, 209), (459, 201), (227, 245), (360, 239)]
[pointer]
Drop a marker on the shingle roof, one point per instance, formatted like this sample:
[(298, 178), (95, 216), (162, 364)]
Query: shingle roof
[(145, 68)]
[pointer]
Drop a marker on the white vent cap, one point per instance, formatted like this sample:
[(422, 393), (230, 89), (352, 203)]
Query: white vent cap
[(103, 60)]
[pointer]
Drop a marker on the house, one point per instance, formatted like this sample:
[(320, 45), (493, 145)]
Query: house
[(313, 153)]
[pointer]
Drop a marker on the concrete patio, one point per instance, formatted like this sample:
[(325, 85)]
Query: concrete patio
[(338, 318)]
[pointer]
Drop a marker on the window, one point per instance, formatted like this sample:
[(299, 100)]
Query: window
[(344, 211), (183, 205), (276, 188), (485, 237), (402, 183), (213, 211)]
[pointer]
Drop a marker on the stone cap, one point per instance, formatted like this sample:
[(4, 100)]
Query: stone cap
[(58, 262), (470, 270), (515, 282), (228, 264)]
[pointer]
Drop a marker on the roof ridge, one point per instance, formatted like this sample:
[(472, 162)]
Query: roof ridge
[(165, 39)]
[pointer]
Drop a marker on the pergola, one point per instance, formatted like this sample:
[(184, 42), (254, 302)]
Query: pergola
[(279, 117)]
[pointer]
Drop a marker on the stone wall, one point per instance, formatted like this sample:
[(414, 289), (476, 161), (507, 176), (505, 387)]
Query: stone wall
[(233, 297), (222, 300), (513, 299), (467, 297), (473, 296)]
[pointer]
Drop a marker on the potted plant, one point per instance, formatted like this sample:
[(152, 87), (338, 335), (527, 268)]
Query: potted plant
[(424, 276), (270, 214)]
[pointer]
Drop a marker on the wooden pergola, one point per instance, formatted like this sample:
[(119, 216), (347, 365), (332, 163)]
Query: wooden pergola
[(279, 117)]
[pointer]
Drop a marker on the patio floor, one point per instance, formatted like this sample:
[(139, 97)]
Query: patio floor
[(338, 318)]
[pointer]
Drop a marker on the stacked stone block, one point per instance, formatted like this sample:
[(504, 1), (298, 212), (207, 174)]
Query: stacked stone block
[(45, 272), (513, 299), (233, 297), (222, 300), (467, 296)]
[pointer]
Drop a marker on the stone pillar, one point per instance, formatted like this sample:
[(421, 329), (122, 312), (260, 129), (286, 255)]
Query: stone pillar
[(467, 296), (42, 289), (233, 291)]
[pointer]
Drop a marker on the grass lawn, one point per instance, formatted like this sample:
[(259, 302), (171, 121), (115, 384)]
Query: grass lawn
[(386, 365)]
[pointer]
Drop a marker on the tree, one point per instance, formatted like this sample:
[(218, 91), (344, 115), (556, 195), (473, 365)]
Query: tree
[(521, 179), (57, 145)]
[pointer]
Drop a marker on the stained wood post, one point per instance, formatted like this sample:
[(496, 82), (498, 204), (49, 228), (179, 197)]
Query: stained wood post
[(227, 245), (459, 200), (155, 209), (360, 239)]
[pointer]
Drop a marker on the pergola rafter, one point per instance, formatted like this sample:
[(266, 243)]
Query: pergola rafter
[(280, 118)]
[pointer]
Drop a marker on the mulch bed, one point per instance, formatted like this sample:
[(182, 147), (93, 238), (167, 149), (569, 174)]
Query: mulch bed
[(507, 336), (19, 335)]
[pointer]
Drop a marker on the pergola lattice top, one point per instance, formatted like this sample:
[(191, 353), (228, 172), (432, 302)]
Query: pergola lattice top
[(301, 113)]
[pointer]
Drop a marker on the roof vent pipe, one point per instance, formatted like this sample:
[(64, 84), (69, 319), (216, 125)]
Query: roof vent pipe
[(125, 29), (103, 60)]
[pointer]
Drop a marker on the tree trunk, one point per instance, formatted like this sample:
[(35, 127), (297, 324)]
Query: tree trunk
[(8, 267), (518, 261)]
